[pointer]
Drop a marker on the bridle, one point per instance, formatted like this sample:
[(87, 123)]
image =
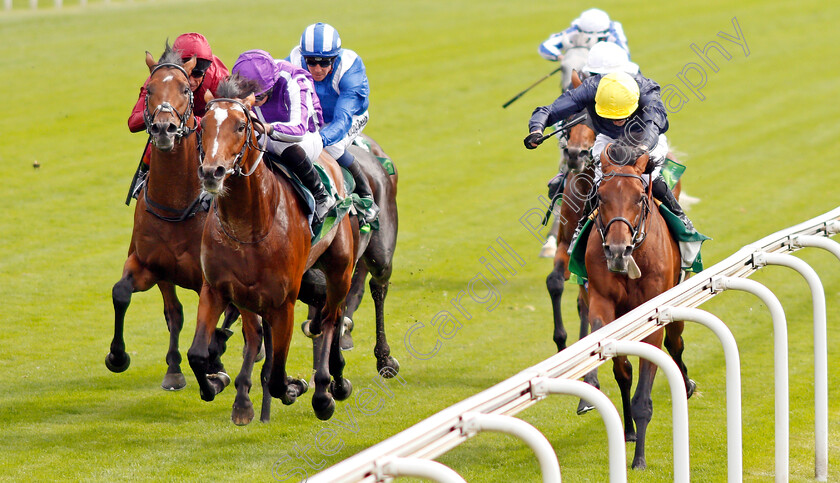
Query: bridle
[(640, 230), (149, 117), (248, 143)]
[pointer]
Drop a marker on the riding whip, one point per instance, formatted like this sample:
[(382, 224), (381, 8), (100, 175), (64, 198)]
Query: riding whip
[(531, 87)]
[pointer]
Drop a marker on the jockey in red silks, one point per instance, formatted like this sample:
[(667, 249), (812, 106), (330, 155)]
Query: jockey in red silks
[(208, 72)]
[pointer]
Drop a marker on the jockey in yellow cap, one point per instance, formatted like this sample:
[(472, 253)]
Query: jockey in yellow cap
[(626, 110)]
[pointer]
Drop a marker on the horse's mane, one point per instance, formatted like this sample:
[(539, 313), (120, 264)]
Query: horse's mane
[(620, 155), (237, 87), (170, 55)]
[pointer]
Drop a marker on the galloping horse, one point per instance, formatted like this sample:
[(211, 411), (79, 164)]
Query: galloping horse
[(631, 236), (255, 250), (168, 222), (580, 179)]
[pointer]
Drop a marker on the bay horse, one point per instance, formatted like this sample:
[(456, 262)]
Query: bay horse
[(168, 222), (255, 250), (580, 179), (631, 257), (375, 255)]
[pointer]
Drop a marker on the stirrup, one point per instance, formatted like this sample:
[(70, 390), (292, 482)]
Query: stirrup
[(141, 182), (322, 208), (371, 214)]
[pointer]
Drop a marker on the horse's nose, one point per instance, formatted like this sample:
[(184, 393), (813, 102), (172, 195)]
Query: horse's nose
[(210, 172), (618, 251), (161, 128)]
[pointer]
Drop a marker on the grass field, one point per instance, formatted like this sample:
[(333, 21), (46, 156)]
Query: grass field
[(762, 154)]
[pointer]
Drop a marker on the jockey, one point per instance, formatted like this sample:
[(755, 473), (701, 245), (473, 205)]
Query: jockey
[(286, 103), (342, 87), (626, 110), (593, 22), (206, 75)]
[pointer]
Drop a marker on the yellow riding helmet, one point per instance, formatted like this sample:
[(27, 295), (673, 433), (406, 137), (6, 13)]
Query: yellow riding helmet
[(617, 96)]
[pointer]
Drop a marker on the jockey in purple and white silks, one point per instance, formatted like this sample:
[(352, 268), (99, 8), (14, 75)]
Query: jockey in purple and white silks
[(342, 87), (287, 104), (593, 22)]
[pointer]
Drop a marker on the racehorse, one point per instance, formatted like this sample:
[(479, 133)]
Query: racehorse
[(375, 253), (168, 221), (255, 250), (631, 257)]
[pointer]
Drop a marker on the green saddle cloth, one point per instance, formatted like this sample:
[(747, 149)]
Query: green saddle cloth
[(341, 208), (689, 243), (385, 162)]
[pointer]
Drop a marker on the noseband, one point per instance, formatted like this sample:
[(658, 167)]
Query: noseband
[(638, 232), (149, 117), (249, 129)]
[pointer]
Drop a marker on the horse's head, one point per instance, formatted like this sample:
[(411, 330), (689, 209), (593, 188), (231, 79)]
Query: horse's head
[(228, 134), (581, 137), (625, 204), (169, 100)]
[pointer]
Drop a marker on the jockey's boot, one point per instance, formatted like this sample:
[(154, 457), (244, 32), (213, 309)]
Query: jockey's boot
[(362, 186), (139, 180), (295, 159), (662, 193)]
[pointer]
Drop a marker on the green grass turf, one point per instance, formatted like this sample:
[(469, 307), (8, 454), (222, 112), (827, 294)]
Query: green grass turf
[(761, 151)]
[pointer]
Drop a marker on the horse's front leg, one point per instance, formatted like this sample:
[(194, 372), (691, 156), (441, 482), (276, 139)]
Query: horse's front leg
[(386, 365), (555, 283), (675, 345), (642, 404), (173, 312), (243, 409), (210, 307), (135, 278), (278, 339), (601, 312)]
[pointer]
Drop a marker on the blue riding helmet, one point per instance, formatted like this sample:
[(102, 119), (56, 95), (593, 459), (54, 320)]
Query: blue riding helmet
[(320, 40)]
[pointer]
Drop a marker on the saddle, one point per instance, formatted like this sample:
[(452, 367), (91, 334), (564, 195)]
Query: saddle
[(335, 215), (689, 243)]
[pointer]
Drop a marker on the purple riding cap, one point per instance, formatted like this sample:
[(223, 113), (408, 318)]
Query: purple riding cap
[(292, 107)]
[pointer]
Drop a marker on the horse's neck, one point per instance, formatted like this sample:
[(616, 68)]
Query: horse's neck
[(173, 176), (250, 203)]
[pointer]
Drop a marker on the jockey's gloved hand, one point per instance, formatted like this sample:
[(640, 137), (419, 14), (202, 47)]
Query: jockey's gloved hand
[(533, 140)]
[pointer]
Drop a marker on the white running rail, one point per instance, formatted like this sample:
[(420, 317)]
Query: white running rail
[(443, 431)]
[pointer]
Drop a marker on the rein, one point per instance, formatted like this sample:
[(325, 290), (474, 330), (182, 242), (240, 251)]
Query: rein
[(181, 215), (237, 167), (149, 117), (249, 129), (638, 232)]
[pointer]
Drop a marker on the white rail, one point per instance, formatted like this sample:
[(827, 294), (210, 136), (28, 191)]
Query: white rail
[(441, 432)]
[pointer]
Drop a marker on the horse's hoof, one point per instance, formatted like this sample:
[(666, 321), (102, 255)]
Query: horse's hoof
[(691, 387), (324, 411), (242, 416), (116, 363), (173, 381), (389, 368), (345, 342), (219, 381), (207, 396), (630, 437), (639, 464), (341, 391), (584, 407), (301, 384), (305, 328), (348, 324), (261, 353)]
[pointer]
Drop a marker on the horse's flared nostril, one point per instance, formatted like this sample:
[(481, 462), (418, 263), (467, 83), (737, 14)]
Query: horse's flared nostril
[(171, 129), (219, 172)]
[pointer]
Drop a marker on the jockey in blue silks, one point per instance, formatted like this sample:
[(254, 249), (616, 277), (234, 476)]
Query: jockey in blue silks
[(342, 87), (593, 22)]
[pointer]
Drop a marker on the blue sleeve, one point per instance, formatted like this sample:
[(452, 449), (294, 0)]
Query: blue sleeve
[(569, 103), (352, 100)]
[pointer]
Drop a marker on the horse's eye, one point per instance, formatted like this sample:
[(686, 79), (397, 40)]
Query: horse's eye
[(186, 91), (241, 127)]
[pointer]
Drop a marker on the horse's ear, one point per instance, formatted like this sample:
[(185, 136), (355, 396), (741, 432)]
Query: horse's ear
[(188, 65), (250, 100), (208, 96), (150, 61), (575, 78), (642, 163)]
